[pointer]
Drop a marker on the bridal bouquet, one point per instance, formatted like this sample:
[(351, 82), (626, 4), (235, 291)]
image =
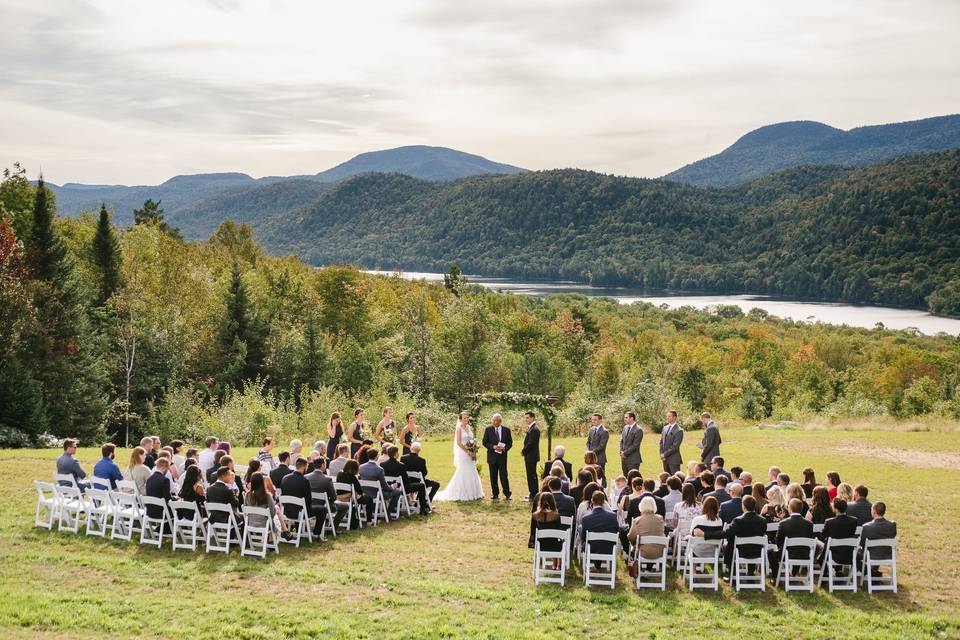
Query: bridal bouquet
[(388, 434), (470, 444)]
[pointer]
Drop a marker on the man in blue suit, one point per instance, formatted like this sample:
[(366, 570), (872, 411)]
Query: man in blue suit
[(733, 507), (599, 520)]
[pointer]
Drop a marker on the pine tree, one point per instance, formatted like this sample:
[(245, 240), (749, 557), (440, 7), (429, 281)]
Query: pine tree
[(45, 247), (241, 344), (106, 255)]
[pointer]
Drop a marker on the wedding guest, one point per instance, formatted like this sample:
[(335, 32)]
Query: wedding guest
[(673, 498), (732, 508), (67, 464), (840, 527), (706, 483), (355, 432), (748, 525), (158, 486), (191, 490), (772, 476), (393, 467), (783, 480), (334, 435), (662, 488), (172, 471), (619, 484), (746, 479), (278, 473), (218, 456), (222, 492), (794, 491), (845, 491), (598, 520), (685, 511), (370, 470), (409, 433), (820, 511), (265, 456), (238, 487), (759, 493), (719, 489), (557, 472), (558, 452), (735, 472), (584, 477), (628, 487), (586, 503), (169, 474), (150, 456), (879, 528), (648, 486), (319, 448), (322, 484), (696, 479), (296, 450), (776, 508), (793, 526), (636, 491), (716, 467), (206, 456), (708, 520), (590, 461), (176, 446), (136, 470), (258, 496), (106, 468), (860, 508), (336, 465), (809, 482), (833, 481), (415, 462), (384, 427), (647, 523), (193, 454), (349, 475), (692, 468), (296, 485), (546, 518)]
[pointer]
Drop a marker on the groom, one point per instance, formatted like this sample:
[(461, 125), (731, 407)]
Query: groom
[(497, 441)]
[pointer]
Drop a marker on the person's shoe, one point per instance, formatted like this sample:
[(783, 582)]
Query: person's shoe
[(494, 497), (508, 497)]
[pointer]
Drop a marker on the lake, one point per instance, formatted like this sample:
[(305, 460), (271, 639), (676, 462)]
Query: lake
[(828, 312)]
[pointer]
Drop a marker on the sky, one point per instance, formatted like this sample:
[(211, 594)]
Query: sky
[(134, 92)]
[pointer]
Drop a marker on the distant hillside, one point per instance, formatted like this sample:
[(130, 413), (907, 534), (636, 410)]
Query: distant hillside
[(888, 233), (426, 163), (791, 144)]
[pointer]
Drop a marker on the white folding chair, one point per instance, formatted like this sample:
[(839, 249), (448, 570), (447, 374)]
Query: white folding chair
[(99, 508), (880, 582), (70, 506), (791, 558), (353, 505), (154, 527), (258, 539), (550, 566), (47, 513), (403, 504), (605, 573), (652, 574), (833, 571), (100, 483), (329, 523), (741, 566), (221, 534), (817, 529), (127, 515), (66, 480), (188, 527), (299, 526), (379, 504), (416, 476), (567, 523), (127, 486), (679, 552), (702, 555)]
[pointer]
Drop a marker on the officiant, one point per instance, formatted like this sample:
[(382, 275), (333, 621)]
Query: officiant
[(497, 440)]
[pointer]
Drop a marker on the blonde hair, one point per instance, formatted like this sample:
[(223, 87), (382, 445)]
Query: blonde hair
[(136, 457), (845, 491), (794, 490), (386, 409), (775, 497)]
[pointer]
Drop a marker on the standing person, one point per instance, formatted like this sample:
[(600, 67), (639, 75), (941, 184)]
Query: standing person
[(355, 432), (334, 433), (385, 431), (630, 441), (710, 444), (671, 437), (597, 440), (498, 441), (465, 483), (409, 433), (531, 452)]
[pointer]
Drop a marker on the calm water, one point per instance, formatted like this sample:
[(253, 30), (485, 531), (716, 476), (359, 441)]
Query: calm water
[(828, 312)]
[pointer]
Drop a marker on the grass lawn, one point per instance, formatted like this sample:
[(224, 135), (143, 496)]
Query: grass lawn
[(466, 570)]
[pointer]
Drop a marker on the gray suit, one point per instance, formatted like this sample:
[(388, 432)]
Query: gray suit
[(630, 440), (597, 442), (670, 440), (710, 445), (879, 529)]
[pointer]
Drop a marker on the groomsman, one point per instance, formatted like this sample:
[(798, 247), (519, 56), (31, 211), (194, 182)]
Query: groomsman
[(531, 453), (671, 438), (597, 440), (630, 441), (710, 444), (498, 441)]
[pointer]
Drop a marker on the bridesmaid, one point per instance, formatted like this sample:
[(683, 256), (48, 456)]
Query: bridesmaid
[(410, 432), (355, 432), (334, 433), (386, 422)]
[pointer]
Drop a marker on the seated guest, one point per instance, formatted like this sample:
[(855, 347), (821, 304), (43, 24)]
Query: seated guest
[(296, 485), (647, 523), (821, 511), (685, 511), (860, 507), (372, 471), (706, 484), (598, 520), (564, 503), (193, 454), (278, 473), (776, 508), (224, 446), (732, 508), (735, 472), (672, 499), (255, 466), (833, 481), (336, 465), (312, 458), (544, 488), (695, 480), (648, 487), (558, 452), (748, 525), (350, 476), (628, 487), (158, 486), (839, 527), (191, 490), (150, 458), (137, 471), (708, 520), (227, 461), (759, 494), (627, 500), (258, 496), (394, 468), (106, 468), (809, 482), (793, 526), (218, 456), (546, 517), (584, 477), (415, 462), (719, 490), (783, 480), (557, 472), (586, 504), (320, 447), (173, 471), (662, 487), (879, 529), (68, 465), (845, 491), (716, 466), (296, 449), (746, 479), (590, 462), (206, 457), (176, 449), (322, 484), (795, 492), (265, 455), (772, 476)]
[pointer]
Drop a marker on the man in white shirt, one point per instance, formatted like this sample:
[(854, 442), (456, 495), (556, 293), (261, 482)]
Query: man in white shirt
[(336, 465), (206, 457)]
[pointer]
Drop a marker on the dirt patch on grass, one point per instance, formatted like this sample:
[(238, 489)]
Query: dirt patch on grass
[(906, 457)]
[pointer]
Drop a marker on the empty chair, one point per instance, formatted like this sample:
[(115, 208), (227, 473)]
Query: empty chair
[(403, 504), (550, 566), (99, 508), (70, 506), (879, 581), (652, 573), (188, 527), (696, 564), (299, 527), (222, 527), (47, 513), (127, 515), (600, 568), (259, 533), (839, 576), (156, 520), (796, 557), (379, 504), (742, 565)]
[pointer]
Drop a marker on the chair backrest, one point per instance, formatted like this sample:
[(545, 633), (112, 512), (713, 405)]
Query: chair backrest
[(176, 506), (596, 536), (370, 484), (295, 501), (67, 492), (343, 487), (322, 499), (127, 486), (888, 543), (65, 479), (818, 528), (44, 489), (125, 500), (100, 483), (219, 507), (153, 502), (834, 543), (566, 521), (802, 543), (661, 540), (393, 480), (99, 498), (773, 527), (249, 512), (550, 534), (754, 540), (416, 476)]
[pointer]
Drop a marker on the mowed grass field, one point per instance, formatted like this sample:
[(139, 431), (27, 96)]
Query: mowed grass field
[(466, 571)]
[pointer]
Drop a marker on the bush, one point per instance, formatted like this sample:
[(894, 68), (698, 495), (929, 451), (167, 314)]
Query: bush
[(854, 406), (11, 438), (920, 397)]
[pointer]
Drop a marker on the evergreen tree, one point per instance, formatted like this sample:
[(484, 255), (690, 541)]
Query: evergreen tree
[(46, 248), (152, 213), (240, 342), (106, 255)]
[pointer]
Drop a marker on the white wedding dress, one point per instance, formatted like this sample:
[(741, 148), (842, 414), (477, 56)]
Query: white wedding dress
[(465, 483)]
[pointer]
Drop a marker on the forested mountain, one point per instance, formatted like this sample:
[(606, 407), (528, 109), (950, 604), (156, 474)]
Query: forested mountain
[(418, 161), (888, 233), (790, 144)]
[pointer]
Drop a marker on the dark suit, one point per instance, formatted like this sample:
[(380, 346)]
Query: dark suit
[(295, 484), (840, 527), (414, 462), (671, 437), (634, 509), (597, 439), (748, 525), (565, 504), (396, 468), (277, 475), (220, 493), (531, 456), (630, 440), (599, 521), (720, 494), (150, 459), (793, 526), (157, 486), (710, 445), (321, 484), (567, 468), (498, 461), (879, 529), (860, 510), (732, 508)]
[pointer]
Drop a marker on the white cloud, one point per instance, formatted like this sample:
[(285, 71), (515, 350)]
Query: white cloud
[(107, 91)]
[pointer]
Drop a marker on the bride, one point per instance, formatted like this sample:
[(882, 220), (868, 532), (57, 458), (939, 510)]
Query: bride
[(465, 483)]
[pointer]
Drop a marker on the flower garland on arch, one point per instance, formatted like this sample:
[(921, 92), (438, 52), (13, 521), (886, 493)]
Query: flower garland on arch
[(543, 404)]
